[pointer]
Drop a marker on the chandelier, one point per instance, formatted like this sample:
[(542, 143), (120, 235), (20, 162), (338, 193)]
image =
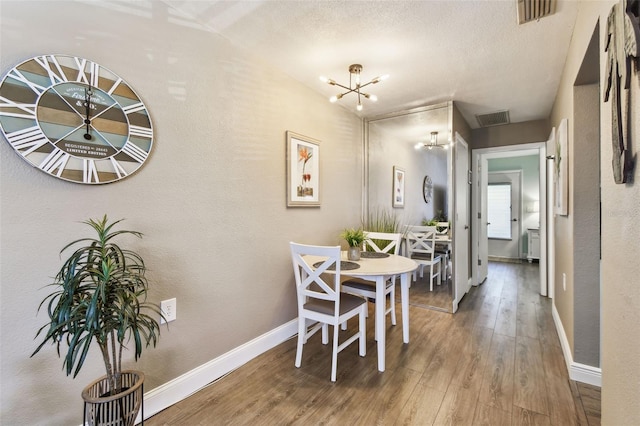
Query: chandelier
[(355, 85), (433, 142)]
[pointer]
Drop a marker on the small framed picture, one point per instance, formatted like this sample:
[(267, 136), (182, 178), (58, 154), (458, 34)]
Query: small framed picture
[(303, 171), (398, 187)]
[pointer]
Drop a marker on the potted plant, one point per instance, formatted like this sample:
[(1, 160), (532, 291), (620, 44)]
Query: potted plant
[(100, 296), (381, 220), (354, 238)]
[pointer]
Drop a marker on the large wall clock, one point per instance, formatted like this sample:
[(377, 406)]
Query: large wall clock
[(427, 189), (74, 119)]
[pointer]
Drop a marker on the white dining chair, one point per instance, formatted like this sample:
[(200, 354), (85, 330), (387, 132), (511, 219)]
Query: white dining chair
[(321, 302), (420, 243), (443, 248), (377, 242)]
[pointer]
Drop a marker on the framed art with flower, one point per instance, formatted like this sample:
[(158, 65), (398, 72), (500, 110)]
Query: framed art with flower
[(303, 171), (398, 187)]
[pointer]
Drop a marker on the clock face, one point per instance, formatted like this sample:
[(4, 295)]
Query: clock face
[(427, 189), (74, 119)]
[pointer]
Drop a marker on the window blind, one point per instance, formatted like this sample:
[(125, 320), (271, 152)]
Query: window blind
[(499, 210)]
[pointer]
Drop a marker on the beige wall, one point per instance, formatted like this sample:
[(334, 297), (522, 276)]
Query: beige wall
[(388, 146), (620, 269), (511, 134), (210, 199), (460, 125)]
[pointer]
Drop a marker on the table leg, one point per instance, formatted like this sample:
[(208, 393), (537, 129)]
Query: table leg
[(380, 321), (404, 294)]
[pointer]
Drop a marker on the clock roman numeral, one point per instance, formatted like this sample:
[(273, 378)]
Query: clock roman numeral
[(7, 104), (82, 75), (55, 162), (27, 140), (115, 86), (95, 74), (17, 75), (89, 173), (118, 168), (143, 132), (94, 71), (57, 75), (133, 108), (135, 152)]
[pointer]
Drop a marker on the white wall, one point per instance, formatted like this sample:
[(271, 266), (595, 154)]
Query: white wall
[(210, 199)]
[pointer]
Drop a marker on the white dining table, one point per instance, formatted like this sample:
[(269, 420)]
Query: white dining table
[(379, 270)]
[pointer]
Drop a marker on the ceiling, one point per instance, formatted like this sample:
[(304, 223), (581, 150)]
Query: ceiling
[(471, 52)]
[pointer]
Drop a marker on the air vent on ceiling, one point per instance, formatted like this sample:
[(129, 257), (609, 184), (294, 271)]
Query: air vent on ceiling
[(493, 119), (532, 10)]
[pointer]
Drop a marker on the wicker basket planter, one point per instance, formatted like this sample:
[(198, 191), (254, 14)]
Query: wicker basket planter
[(114, 410)]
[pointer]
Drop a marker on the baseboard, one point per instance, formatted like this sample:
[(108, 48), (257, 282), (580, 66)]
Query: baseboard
[(181, 387), (505, 259), (579, 372)]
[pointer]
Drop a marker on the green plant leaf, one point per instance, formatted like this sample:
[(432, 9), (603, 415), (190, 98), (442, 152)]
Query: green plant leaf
[(99, 295)]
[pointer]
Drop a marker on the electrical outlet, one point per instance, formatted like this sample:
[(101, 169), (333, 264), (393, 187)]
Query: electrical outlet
[(168, 308), (564, 281)]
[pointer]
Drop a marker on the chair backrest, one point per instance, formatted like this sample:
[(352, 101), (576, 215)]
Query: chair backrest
[(383, 242), (420, 240), (310, 281)]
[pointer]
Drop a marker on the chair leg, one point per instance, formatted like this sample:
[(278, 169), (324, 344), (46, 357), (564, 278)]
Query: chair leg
[(363, 331), (301, 339), (392, 300), (431, 277), (334, 357), (325, 334)]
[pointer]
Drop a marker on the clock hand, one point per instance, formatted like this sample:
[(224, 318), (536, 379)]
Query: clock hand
[(87, 121)]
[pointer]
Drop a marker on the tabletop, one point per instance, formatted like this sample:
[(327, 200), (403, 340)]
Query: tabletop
[(391, 265)]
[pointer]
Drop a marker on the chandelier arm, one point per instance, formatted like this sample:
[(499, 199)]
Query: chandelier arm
[(349, 91), (344, 87), (366, 84)]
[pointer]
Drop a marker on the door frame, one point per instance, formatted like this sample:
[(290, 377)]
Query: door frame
[(478, 157), (461, 284)]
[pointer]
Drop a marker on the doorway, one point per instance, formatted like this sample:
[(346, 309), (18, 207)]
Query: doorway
[(480, 180), (503, 215)]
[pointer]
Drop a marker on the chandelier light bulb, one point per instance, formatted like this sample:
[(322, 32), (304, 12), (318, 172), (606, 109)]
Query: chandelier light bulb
[(359, 106), (333, 99), (373, 98), (379, 79)]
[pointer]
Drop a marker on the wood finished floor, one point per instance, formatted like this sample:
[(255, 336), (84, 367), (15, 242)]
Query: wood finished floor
[(496, 362)]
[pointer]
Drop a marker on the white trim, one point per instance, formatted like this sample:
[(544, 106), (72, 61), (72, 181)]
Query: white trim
[(533, 148), (192, 381), (578, 372)]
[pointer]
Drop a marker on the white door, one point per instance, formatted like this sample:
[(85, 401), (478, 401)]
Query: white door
[(504, 229), (483, 242), (461, 221)]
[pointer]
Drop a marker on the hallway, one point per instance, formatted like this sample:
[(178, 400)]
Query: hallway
[(498, 361)]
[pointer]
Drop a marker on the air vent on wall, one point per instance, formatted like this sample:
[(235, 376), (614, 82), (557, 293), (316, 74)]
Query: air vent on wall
[(493, 118), (532, 10)]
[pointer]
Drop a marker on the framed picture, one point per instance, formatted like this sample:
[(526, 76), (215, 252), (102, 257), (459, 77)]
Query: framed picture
[(398, 187), (561, 199), (303, 171)]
